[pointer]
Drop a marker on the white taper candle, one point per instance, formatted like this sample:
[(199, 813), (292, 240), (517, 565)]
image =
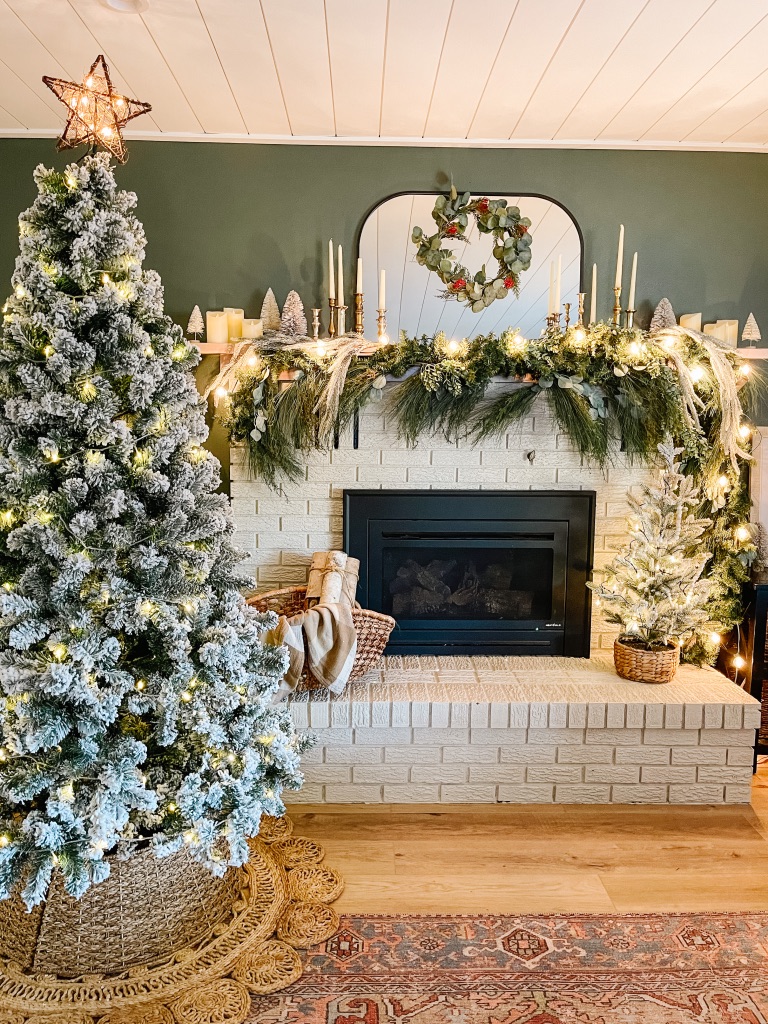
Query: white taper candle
[(359, 286), (593, 300), (340, 280), (620, 256), (632, 283), (382, 290), (331, 278)]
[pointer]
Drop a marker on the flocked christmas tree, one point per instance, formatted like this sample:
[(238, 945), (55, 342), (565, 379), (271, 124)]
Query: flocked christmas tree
[(195, 324), (653, 588), (270, 313), (751, 332), (663, 316), (135, 683), (293, 320)]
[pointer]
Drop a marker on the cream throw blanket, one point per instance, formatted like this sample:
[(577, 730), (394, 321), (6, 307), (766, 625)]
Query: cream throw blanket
[(331, 645)]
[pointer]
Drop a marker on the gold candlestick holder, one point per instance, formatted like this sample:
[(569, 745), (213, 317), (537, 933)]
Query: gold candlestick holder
[(629, 321), (359, 325), (567, 306), (580, 321), (381, 327), (316, 324), (553, 322), (341, 321), (617, 305), (332, 318)]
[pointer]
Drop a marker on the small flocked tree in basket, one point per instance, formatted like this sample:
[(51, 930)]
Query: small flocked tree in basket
[(135, 682), (653, 589)]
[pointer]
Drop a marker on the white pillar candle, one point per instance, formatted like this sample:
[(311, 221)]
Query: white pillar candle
[(340, 280), (382, 290), (359, 285), (593, 302), (620, 256), (216, 326), (551, 295), (632, 283), (331, 279), (253, 329), (691, 320), (558, 285), (716, 330), (234, 321), (731, 331)]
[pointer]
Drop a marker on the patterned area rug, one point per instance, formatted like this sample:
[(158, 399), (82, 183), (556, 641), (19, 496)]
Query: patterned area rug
[(552, 969)]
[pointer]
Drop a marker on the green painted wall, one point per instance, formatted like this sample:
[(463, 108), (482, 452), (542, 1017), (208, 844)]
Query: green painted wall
[(225, 222)]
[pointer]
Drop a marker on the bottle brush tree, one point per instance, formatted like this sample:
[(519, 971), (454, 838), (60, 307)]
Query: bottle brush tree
[(135, 682), (653, 589)]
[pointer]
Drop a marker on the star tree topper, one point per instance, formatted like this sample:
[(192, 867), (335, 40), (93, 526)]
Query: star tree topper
[(96, 111)]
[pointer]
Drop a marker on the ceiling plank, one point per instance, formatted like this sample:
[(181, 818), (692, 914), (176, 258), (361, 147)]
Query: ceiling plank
[(356, 37), (297, 32), (414, 43), (8, 121), (719, 28), (659, 28), (24, 105), (127, 44), (24, 55), (596, 30), (240, 37), (178, 28), (531, 40)]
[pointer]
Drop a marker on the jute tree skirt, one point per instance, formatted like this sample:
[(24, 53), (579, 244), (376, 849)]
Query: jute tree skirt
[(280, 905)]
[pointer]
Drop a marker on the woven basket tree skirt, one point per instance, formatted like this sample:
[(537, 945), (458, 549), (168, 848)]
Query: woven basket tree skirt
[(282, 906)]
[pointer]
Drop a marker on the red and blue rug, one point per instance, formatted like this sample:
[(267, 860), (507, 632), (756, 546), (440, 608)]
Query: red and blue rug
[(550, 969)]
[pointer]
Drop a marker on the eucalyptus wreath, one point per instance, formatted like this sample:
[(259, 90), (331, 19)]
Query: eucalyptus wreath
[(512, 248)]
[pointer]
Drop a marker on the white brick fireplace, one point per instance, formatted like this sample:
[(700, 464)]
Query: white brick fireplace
[(491, 729)]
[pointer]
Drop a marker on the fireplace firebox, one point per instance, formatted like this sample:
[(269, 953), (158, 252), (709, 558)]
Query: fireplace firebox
[(472, 572)]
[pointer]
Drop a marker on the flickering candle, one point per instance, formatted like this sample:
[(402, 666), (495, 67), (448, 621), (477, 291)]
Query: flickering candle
[(731, 331), (253, 329), (593, 300), (558, 284), (340, 280), (632, 283), (216, 326), (234, 321), (382, 289), (691, 320), (620, 256), (359, 285), (551, 295), (716, 330), (331, 279)]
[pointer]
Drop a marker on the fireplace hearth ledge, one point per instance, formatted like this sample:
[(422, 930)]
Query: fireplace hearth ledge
[(493, 729)]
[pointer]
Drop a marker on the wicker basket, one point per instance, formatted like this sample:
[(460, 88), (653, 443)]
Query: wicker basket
[(646, 666), (372, 628), (146, 910)]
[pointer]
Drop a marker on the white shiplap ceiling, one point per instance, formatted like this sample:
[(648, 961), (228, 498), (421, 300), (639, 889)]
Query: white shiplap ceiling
[(609, 73)]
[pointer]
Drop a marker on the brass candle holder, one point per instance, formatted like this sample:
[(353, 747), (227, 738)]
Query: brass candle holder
[(341, 321), (580, 321), (332, 318), (359, 325), (381, 326), (629, 321), (567, 306), (617, 305), (553, 322), (316, 324)]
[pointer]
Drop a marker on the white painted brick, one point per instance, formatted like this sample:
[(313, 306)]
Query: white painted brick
[(441, 737), (587, 754), (668, 773), (490, 737), (596, 716), (411, 794), (441, 715), (612, 773), (412, 755), (733, 716), (308, 794), (381, 714), (620, 737), (738, 794), (472, 755), (635, 716), (459, 715), (555, 737), (752, 715), (696, 794), (361, 713), (479, 716), (496, 773), (353, 755), (382, 737), (526, 794), (699, 755), (529, 754), (331, 737), (319, 714), (584, 794), (314, 755), (439, 773), (353, 794), (539, 716), (673, 716), (555, 773), (499, 716), (341, 714), (380, 773), (727, 737), (401, 714), (478, 793), (654, 716), (639, 794), (420, 713), (615, 716), (663, 737), (328, 773), (300, 714), (577, 716), (518, 716), (645, 755), (693, 716), (741, 755), (725, 773), (713, 716)]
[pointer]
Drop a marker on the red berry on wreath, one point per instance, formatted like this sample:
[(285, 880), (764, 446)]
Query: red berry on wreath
[(483, 205), (452, 229), (521, 229), (509, 281), (458, 284)]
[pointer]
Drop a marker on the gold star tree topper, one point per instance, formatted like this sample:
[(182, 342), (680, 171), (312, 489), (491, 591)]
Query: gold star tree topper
[(96, 111)]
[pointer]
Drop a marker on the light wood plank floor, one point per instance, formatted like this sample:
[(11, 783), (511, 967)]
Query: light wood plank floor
[(541, 859)]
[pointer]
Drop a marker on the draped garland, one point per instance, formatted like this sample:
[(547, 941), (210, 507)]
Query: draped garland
[(615, 392)]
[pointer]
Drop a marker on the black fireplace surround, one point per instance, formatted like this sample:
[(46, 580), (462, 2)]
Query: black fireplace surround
[(476, 572)]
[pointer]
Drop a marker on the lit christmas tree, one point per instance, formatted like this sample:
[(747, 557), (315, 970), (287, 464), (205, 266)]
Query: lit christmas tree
[(653, 588), (135, 683)]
